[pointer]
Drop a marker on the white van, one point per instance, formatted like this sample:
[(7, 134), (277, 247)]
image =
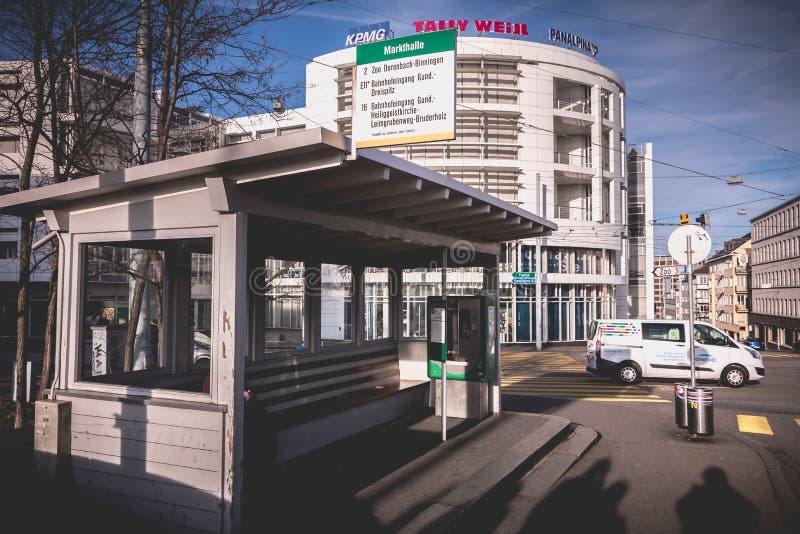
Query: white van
[(630, 349)]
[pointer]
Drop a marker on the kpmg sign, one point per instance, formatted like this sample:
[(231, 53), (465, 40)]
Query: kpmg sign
[(575, 41), (368, 34)]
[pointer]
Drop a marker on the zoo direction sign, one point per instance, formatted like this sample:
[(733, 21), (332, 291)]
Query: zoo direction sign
[(405, 90)]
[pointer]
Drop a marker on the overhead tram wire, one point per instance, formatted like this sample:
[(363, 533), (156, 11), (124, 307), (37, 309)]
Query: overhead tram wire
[(731, 132), (538, 66), (653, 221), (653, 28), (620, 151)]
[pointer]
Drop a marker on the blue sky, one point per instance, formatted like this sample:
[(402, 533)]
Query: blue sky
[(752, 91)]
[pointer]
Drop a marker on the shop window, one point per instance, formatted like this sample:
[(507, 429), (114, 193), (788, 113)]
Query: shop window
[(146, 313), (376, 304), (337, 304)]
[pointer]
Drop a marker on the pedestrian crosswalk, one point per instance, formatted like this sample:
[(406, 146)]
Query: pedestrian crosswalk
[(554, 374), (589, 388), (540, 362)]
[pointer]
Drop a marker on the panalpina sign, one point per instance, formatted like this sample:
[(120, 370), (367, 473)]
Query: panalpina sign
[(481, 26)]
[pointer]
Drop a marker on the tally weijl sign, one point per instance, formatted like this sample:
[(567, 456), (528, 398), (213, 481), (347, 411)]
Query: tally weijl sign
[(481, 26), (404, 90)]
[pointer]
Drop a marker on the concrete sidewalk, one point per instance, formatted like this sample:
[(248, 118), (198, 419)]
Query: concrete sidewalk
[(402, 478), (396, 478)]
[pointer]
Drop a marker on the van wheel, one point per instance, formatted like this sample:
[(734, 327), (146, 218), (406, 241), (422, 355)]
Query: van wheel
[(734, 376), (629, 373)]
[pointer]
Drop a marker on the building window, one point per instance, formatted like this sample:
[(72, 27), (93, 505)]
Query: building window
[(9, 144), (8, 249), (147, 313)]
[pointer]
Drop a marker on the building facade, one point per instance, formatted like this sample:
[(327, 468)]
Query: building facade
[(666, 294), (776, 276), (729, 287), (641, 281), (538, 126)]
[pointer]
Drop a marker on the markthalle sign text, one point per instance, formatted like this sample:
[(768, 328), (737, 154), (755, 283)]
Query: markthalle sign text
[(405, 90)]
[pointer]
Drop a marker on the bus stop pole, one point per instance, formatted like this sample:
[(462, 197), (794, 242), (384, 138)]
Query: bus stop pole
[(690, 276), (444, 362)]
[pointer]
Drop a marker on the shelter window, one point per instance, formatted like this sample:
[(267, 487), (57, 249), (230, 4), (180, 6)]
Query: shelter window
[(146, 313), (284, 324), (376, 304), (337, 304)]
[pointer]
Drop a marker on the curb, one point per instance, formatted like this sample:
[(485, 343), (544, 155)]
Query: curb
[(444, 515), (780, 487), (545, 475)]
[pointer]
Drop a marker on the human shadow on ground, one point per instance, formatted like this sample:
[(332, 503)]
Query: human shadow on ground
[(582, 504), (715, 506)]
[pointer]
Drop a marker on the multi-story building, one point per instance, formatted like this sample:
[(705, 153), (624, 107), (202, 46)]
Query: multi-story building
[(641, 281), (109, 145), (729, 287), (701, 293), (537, 125), (665, 291), (776, 275)]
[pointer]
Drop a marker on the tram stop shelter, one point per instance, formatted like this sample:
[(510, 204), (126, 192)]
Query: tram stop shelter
[(262, 278)]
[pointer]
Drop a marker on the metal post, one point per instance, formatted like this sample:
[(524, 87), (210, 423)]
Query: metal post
[(444, 363), (690, 275), (538, 309)]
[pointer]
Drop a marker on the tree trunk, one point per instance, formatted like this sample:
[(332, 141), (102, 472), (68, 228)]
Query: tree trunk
[(50, 325), (133, 314), (26, 235)]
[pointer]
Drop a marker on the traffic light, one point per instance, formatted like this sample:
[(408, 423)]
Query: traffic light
[(703, 220), (684, 218)]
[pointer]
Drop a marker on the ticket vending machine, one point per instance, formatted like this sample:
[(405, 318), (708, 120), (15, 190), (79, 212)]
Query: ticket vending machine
[(463, 330)]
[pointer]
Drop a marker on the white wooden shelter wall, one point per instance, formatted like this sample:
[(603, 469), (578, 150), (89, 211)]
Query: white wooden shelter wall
[(164, 462)]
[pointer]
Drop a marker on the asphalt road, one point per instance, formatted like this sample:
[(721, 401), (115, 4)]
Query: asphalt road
[(645, 474)]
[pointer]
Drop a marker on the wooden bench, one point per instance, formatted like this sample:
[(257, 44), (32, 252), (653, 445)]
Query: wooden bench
[(309, 401)]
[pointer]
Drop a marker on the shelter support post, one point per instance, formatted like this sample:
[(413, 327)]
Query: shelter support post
[(491, 282), (230, 358)]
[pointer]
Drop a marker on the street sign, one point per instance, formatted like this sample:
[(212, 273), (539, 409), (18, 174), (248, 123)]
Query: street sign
[(523, 279), (670, 271), (700, 240), (405, 90)]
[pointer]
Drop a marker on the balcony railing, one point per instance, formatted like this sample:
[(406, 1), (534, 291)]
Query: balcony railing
[(578, 106), (741, 308), (741, 289), (580, 160), (573, 214)]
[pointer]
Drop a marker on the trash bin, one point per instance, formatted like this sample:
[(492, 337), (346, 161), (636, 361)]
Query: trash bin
[(681, 416), (700, 411)]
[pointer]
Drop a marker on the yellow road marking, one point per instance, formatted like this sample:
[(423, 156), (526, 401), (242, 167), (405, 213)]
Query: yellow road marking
[(754, 424)]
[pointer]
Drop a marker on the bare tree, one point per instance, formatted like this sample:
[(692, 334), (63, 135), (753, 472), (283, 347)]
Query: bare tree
[(205, 58), (59, 124)]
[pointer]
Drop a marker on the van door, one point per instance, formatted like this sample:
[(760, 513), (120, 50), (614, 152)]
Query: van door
[(666, 352), (712, 351)]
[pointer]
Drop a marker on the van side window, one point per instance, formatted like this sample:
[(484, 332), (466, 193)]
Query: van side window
[(663, 332)]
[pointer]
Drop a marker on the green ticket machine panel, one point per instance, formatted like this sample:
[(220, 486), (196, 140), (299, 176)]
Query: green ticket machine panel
[(463, 330)]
